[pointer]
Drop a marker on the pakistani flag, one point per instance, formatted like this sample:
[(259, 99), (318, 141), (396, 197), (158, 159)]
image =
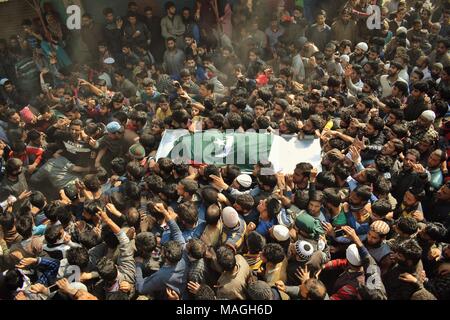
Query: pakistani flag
[(242, 149)]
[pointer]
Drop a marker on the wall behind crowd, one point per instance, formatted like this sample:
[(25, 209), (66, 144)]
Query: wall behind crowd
[(11, 15)]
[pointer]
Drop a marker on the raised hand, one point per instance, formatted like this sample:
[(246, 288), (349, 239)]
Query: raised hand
[(172, 294), (193, 287)]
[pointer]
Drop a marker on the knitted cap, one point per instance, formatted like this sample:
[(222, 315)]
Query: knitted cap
[(304, 249), (380, 227), (345, 58), (259, 290), (137, 151), (109, 61), (230, 217), (114, 127), (429, 115), (280, 233), (401, 30), (262, 80), (26, 115), (284, 218), (363, 46), (352, 255), (244, 180)]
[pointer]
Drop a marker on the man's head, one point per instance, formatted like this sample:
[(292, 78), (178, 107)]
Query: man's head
[(132, 19), (374, 126), (54, 233), (301, 174), (107, 270), (76, 128), (171, 43), (413, 196), (186, 188), (226, 258), (412, 156), (172, 252), (442, 46), (115, 130), (206, 89), (108, 13), (443, 194), (361, 49), (435, 159), (170, 8), (313, 289), (394, 69), (408, 254), (359, 196), (273, 253), (420, 88), (148, 12), (86, 20), (321, 17), (377, 233)]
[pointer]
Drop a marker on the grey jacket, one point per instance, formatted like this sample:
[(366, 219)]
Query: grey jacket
[(172, 27)]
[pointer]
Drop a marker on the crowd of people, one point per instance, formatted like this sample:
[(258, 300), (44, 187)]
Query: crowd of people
[(87, 212)]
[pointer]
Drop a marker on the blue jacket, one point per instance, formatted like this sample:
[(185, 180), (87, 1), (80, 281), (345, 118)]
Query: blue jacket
[(169, 276)]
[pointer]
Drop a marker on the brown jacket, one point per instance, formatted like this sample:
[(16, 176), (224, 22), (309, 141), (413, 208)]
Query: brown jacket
[(232, 285)]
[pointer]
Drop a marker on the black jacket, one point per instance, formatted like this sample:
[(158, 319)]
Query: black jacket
[(414, 108)]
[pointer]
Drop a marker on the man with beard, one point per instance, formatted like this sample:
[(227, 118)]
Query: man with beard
[(359, 210), (73, 159), (153, 24), (408, 263), (13, 182), (422, 127), (436, 69), (301, 175), (377, 246), (195, 69), (395, 116), (429, 239), (416, 102), (392, 150), (374, 140), (172, 26), (410, 205), (332, 67), (363, 108), (344, 28), (112, 32), (409, 175), (312, 127), (190, 26), (387, 81), (279, 110), (173, 58), (422, 64), (11, 95), (436, 158), (440, 54), (359, 55), (437, 209)]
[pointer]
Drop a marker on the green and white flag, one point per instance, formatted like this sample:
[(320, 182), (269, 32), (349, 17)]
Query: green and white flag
[(242, 149)]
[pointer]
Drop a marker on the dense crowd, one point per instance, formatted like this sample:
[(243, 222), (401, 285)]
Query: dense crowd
[(88, 212)]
